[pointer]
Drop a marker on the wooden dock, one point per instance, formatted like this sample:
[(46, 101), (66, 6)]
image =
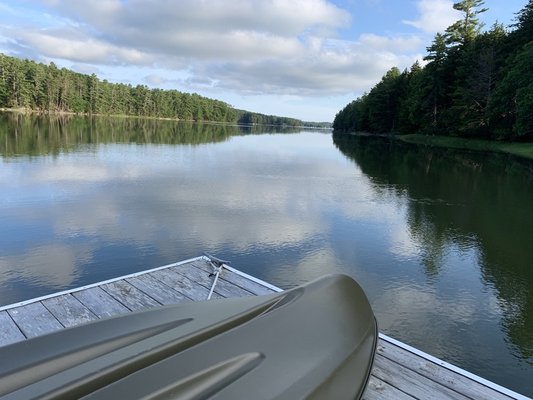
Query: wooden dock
[(399, 371)]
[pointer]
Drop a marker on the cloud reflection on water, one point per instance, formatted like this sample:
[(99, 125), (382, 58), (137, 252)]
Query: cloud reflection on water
[(231, 196)]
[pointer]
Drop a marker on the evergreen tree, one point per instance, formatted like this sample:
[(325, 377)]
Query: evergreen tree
[(383, 103), (474, 84), (431, 96), (523, 32), (476, 78), (466, 29), (35, 77), (410, 112), (512, 104)]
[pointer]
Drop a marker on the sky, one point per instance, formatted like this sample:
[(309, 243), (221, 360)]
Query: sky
[(304, 59)]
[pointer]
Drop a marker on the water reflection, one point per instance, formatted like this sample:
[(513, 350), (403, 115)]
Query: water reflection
[(91, 207), (35, 135), (468, 201)]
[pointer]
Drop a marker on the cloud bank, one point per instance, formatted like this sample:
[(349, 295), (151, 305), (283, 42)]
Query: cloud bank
[(274, 47)]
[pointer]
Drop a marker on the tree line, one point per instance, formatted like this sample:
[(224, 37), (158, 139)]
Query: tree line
[(28, 85), (474, 84)]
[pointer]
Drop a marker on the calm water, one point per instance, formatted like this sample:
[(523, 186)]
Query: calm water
[(441, 241)]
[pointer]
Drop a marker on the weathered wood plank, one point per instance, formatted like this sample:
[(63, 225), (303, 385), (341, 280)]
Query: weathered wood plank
[(224, 288), (157, 290), (34, 320), (236, 279), (9, 331), (130, 296), (411, 382), (246, 284), (68, 310), (181, 283), (437, 373), (376, 389), (101, 303)]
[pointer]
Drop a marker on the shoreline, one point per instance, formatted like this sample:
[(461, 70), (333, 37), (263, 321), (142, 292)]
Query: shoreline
[(27, 111), (523, 150)]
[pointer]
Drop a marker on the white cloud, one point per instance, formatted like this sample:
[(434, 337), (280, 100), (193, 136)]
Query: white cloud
[(210, 28), (435, 15), (215, 47), (328, 67), (72, 45)]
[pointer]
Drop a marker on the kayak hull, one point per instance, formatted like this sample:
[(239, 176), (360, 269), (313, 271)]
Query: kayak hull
[(314, 341)]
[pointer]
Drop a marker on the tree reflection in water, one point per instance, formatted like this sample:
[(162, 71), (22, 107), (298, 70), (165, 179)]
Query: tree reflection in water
[(466, 199)]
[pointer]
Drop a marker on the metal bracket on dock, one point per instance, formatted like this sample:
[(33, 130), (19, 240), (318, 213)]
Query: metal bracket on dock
[(217, 265)]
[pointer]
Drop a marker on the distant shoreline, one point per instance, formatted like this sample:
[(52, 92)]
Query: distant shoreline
[(29, 111)]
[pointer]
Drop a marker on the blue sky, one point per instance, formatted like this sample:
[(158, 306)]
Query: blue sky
[(299, 58)]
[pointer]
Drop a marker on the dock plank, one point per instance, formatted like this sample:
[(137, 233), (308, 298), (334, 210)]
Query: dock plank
[(130, 296), (101, 303), (69, 311), (437, 373), (181, 283), (236, 279), (376, 389), (158, 290), (224, 288), (34, 320), (9, 331), (411, 382)]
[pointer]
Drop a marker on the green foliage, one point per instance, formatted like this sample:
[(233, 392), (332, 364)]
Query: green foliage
[(353, 117), (512, 103), (474, 85), (48, 89), (523, 32), (524, 108), (434, 89), (250, 118), (475, 80), (466, 29)]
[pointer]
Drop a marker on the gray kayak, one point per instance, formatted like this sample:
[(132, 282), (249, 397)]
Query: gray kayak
[(315, 341)]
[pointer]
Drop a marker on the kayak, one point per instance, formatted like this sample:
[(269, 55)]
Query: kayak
[(315, 341)]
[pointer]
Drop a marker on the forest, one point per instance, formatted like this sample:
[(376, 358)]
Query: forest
[(30, 86), (474, 83)]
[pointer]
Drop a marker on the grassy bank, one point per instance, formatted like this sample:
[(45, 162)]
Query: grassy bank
[(524, 150)]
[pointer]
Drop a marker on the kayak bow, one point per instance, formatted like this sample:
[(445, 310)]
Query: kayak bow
[(314, 341)]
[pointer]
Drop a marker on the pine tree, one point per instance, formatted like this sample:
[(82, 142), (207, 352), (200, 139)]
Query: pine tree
[(523, 32), (512, 101), (466, 29), (475, 81), (432, 93)]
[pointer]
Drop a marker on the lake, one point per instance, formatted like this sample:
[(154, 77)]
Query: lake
[(440, 240)]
